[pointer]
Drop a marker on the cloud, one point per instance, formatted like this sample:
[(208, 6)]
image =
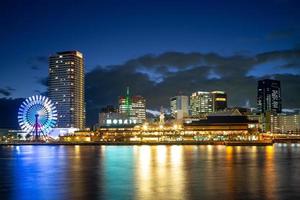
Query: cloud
[(6, 91), (159, 77), (282, 34), (43, 81), (36, 63)]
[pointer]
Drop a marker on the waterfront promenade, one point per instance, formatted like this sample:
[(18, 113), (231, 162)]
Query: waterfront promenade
[(226, 143)]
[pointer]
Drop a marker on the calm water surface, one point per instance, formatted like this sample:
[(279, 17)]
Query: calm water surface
[(150, 172)]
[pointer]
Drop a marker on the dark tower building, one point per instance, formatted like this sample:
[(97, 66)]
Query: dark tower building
[(66, 88), (269, 96), (219, 100)]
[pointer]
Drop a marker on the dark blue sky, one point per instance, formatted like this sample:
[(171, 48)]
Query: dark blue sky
[(112, 32)]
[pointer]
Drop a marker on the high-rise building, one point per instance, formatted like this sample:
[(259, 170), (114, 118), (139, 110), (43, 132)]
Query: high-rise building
[(201, 103), (269, 96), (125, 105), (219, 100), (134, 107), (66, 88), (138, 108), (179, 107)]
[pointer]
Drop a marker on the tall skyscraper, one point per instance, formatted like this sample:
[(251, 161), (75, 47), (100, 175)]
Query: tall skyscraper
[(219, 100), (179, 107), (201, 103), (134, 107), (269, 96), (66, 88)]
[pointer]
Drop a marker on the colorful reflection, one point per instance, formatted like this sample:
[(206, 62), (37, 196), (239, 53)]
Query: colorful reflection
[(159, 168), (147, 172)]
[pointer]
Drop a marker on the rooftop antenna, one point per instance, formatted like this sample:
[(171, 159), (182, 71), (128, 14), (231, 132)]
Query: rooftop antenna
[(127, 101)]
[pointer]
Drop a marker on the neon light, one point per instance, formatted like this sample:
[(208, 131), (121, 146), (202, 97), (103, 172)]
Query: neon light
[(41, 106)]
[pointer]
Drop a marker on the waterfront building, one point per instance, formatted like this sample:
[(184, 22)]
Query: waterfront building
[(110, 117), (211, 128), (179, 107), (109, 112), (227, 112), (201, 103), (219, 100), (66, 88), (222, 125), (269, 96), (285, 123), (134, 107)]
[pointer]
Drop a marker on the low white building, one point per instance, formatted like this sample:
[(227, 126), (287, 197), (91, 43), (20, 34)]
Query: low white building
[(284, 123), (179, 107)]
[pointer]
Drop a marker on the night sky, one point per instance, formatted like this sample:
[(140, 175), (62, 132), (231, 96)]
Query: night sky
[(158, 48)]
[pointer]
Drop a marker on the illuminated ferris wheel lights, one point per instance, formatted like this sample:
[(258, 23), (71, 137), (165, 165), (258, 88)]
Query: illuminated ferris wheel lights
[(37, 108)]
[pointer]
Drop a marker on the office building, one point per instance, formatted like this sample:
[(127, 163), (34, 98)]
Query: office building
[(219, 100), (179, 107), (285, 123), (66, 88), (134, 107), (269, 96), (138, 106), (201, 103)]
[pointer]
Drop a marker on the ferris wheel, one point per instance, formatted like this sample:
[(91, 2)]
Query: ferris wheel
[(37, 116)]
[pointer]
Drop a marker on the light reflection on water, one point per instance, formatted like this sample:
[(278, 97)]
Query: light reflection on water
[(149, 172)]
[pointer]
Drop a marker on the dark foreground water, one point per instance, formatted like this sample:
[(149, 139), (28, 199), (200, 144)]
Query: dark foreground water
[(150, 172)]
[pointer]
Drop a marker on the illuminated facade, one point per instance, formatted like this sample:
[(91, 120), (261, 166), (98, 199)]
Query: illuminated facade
[(179, 107), (212, 128), (285, 123), (206, 102), (110, 117), (269, 96), (133, 107), (138, 107), (201, 103), (66, 88)]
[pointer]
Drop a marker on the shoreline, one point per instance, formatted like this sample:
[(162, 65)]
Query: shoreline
[(99, 143), (223, 143)]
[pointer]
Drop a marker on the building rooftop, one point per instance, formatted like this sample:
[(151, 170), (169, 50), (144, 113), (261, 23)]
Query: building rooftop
[(212, 120), (74, 52)]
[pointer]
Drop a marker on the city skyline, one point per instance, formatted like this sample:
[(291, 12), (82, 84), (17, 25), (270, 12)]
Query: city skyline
[(149, 99), (181, 47)]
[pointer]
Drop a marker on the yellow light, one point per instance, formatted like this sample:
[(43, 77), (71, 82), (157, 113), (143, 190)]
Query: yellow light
[(145, 126), (220, 99), (175, 126)]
